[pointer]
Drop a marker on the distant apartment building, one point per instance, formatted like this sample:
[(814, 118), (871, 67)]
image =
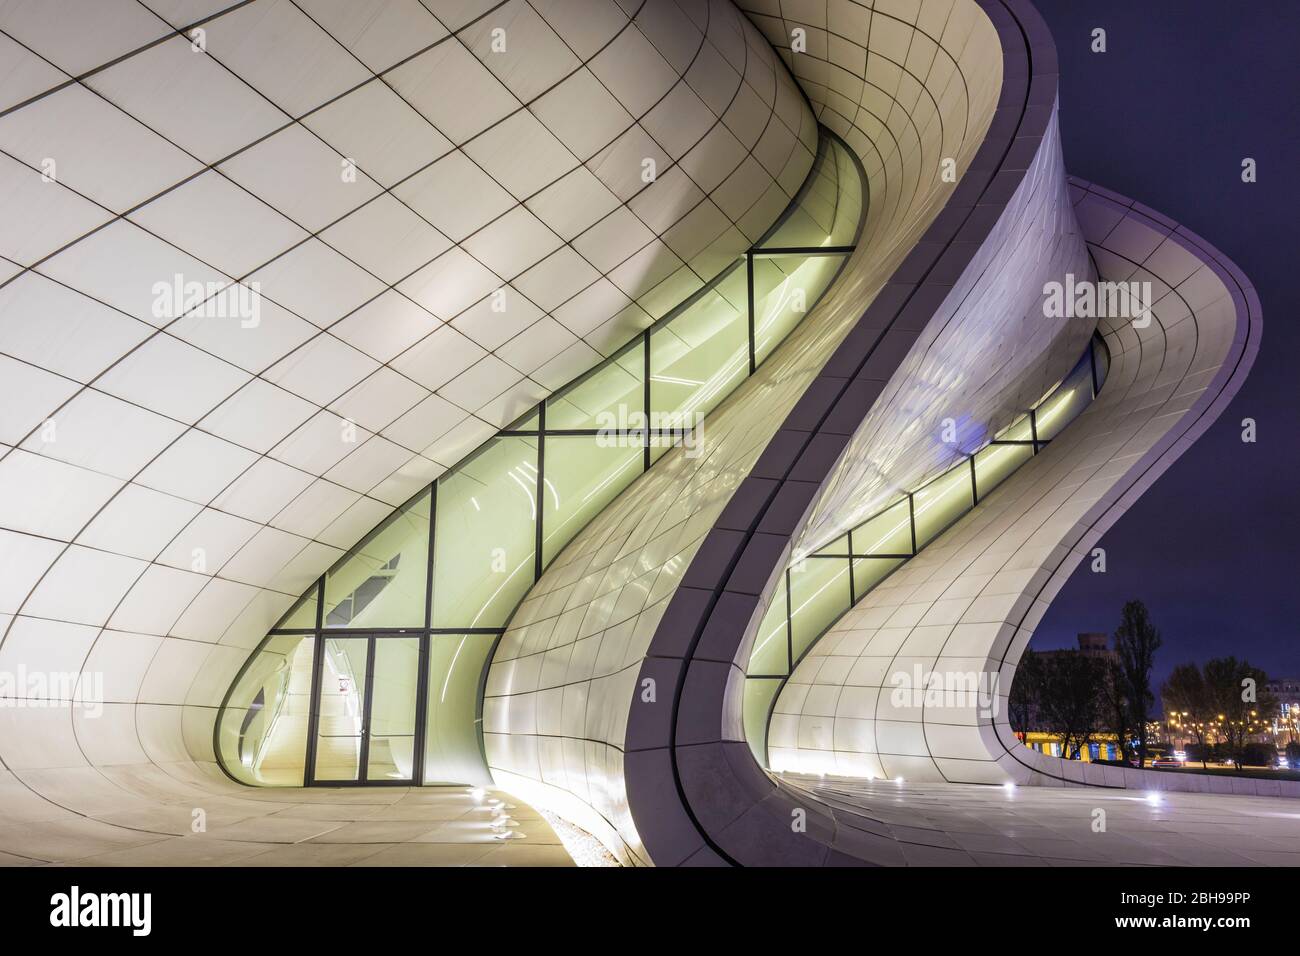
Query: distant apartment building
[(1091, 644), (1286, 720)]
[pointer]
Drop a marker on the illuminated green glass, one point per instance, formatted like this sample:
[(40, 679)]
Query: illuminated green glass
[(838, 547), (930, 511), (771, 651), (583, 474), (660, 445), (850, 198), (528, 423), (698, 358), (942, 502), (733, 286), (670, 292), (828, 209), (819, 593), (994, 463), (485, 534), (302, 614), (452, 751), (1019, 430), (868, 572), (383, 582), (759, 694), (391, 726), (889, 532), (494, 509), (1064, 405), (342, 708), (785, 288), (1101, 356), (612, 396), (262, 732)]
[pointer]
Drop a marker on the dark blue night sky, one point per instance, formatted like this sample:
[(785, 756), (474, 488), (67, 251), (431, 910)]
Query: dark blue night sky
[(1186, 90)]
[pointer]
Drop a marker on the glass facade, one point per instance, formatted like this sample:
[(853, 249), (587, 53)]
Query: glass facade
[(383, 582), (485, 540), (820, 587), (375, 675)]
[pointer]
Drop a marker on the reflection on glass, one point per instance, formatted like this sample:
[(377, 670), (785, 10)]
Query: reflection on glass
[(583, 474), (391, 724), (785, 288), (1101, 357), (942, 502), (1064, 405), (839, 547), (452, 753), (262, 733), (528, 423), (868, 572), (850, 198), (485, 535), (759, 694), (383, 582), (1021, 429), (889, 532), (302, 614), (771, 651), (660, 445), (993, 463), (698, 357), (670, 292), (829, 208), (612, 396), (819, 593), (342, 708)]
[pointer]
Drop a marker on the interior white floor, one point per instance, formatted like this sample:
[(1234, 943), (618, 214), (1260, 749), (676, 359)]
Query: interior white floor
[(363, 826)]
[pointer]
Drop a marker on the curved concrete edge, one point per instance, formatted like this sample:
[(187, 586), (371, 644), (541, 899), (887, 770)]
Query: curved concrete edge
[(781, 822), (563, 679), (694, 790), (1035, 768), (969, 603)]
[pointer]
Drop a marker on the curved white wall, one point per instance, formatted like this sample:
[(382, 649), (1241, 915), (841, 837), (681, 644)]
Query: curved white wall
[(170, 483), (969, 603), (573, 662)]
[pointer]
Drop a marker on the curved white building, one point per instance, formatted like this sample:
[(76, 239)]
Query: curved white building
[(598, 401)]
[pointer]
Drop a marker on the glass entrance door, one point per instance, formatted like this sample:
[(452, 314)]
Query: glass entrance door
[(390, 728), (365, 727)]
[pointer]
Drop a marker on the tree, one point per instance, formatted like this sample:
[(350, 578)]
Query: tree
[(1237, 690), (1188, 695), (1223, 702), (1116, 715), (1136, 643), (1070, 699), (1026, 691)]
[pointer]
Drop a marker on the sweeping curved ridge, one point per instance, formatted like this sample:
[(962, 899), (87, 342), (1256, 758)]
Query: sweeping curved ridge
[(970, 602), (613, 653), (1185, 367)]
